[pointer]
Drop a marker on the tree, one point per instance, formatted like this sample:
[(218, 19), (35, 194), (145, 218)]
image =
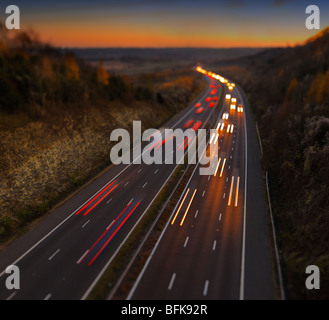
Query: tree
[(47, 68), (322, 96), (292, 89), (102, 74), (319, 89), (314, 88), (72, 68)]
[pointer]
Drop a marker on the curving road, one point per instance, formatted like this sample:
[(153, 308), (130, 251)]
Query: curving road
[(64, 255), (217, 244)]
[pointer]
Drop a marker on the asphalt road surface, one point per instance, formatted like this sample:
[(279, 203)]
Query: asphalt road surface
[(217, 243), (63, 256)]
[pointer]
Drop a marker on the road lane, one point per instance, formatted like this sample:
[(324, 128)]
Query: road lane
[(71, 235), (209, 264)]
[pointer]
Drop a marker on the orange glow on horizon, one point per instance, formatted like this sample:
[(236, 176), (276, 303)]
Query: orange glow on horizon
[(127, 36)]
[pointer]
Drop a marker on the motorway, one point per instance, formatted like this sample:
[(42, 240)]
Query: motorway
[(216, 244), (63, 256)]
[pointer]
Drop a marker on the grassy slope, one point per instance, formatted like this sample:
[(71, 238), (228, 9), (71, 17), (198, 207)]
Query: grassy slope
[(55, 130)]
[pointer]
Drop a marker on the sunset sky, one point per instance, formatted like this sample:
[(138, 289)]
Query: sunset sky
[(168, 23)]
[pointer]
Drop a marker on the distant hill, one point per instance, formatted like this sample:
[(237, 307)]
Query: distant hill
[(320, 37), (136, 60)]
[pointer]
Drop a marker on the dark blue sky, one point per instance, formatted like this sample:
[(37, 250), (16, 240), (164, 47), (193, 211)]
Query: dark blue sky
[(163, 23)]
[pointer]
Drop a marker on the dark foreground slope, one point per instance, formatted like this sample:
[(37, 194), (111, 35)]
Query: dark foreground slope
[(288, 91)]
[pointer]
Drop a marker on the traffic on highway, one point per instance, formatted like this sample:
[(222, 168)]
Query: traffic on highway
[(201, 253)]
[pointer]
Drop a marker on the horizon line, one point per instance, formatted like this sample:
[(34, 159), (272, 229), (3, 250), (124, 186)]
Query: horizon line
[(163, 48)]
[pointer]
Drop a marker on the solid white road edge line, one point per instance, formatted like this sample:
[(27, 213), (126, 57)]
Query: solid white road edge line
[(242, 275)]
